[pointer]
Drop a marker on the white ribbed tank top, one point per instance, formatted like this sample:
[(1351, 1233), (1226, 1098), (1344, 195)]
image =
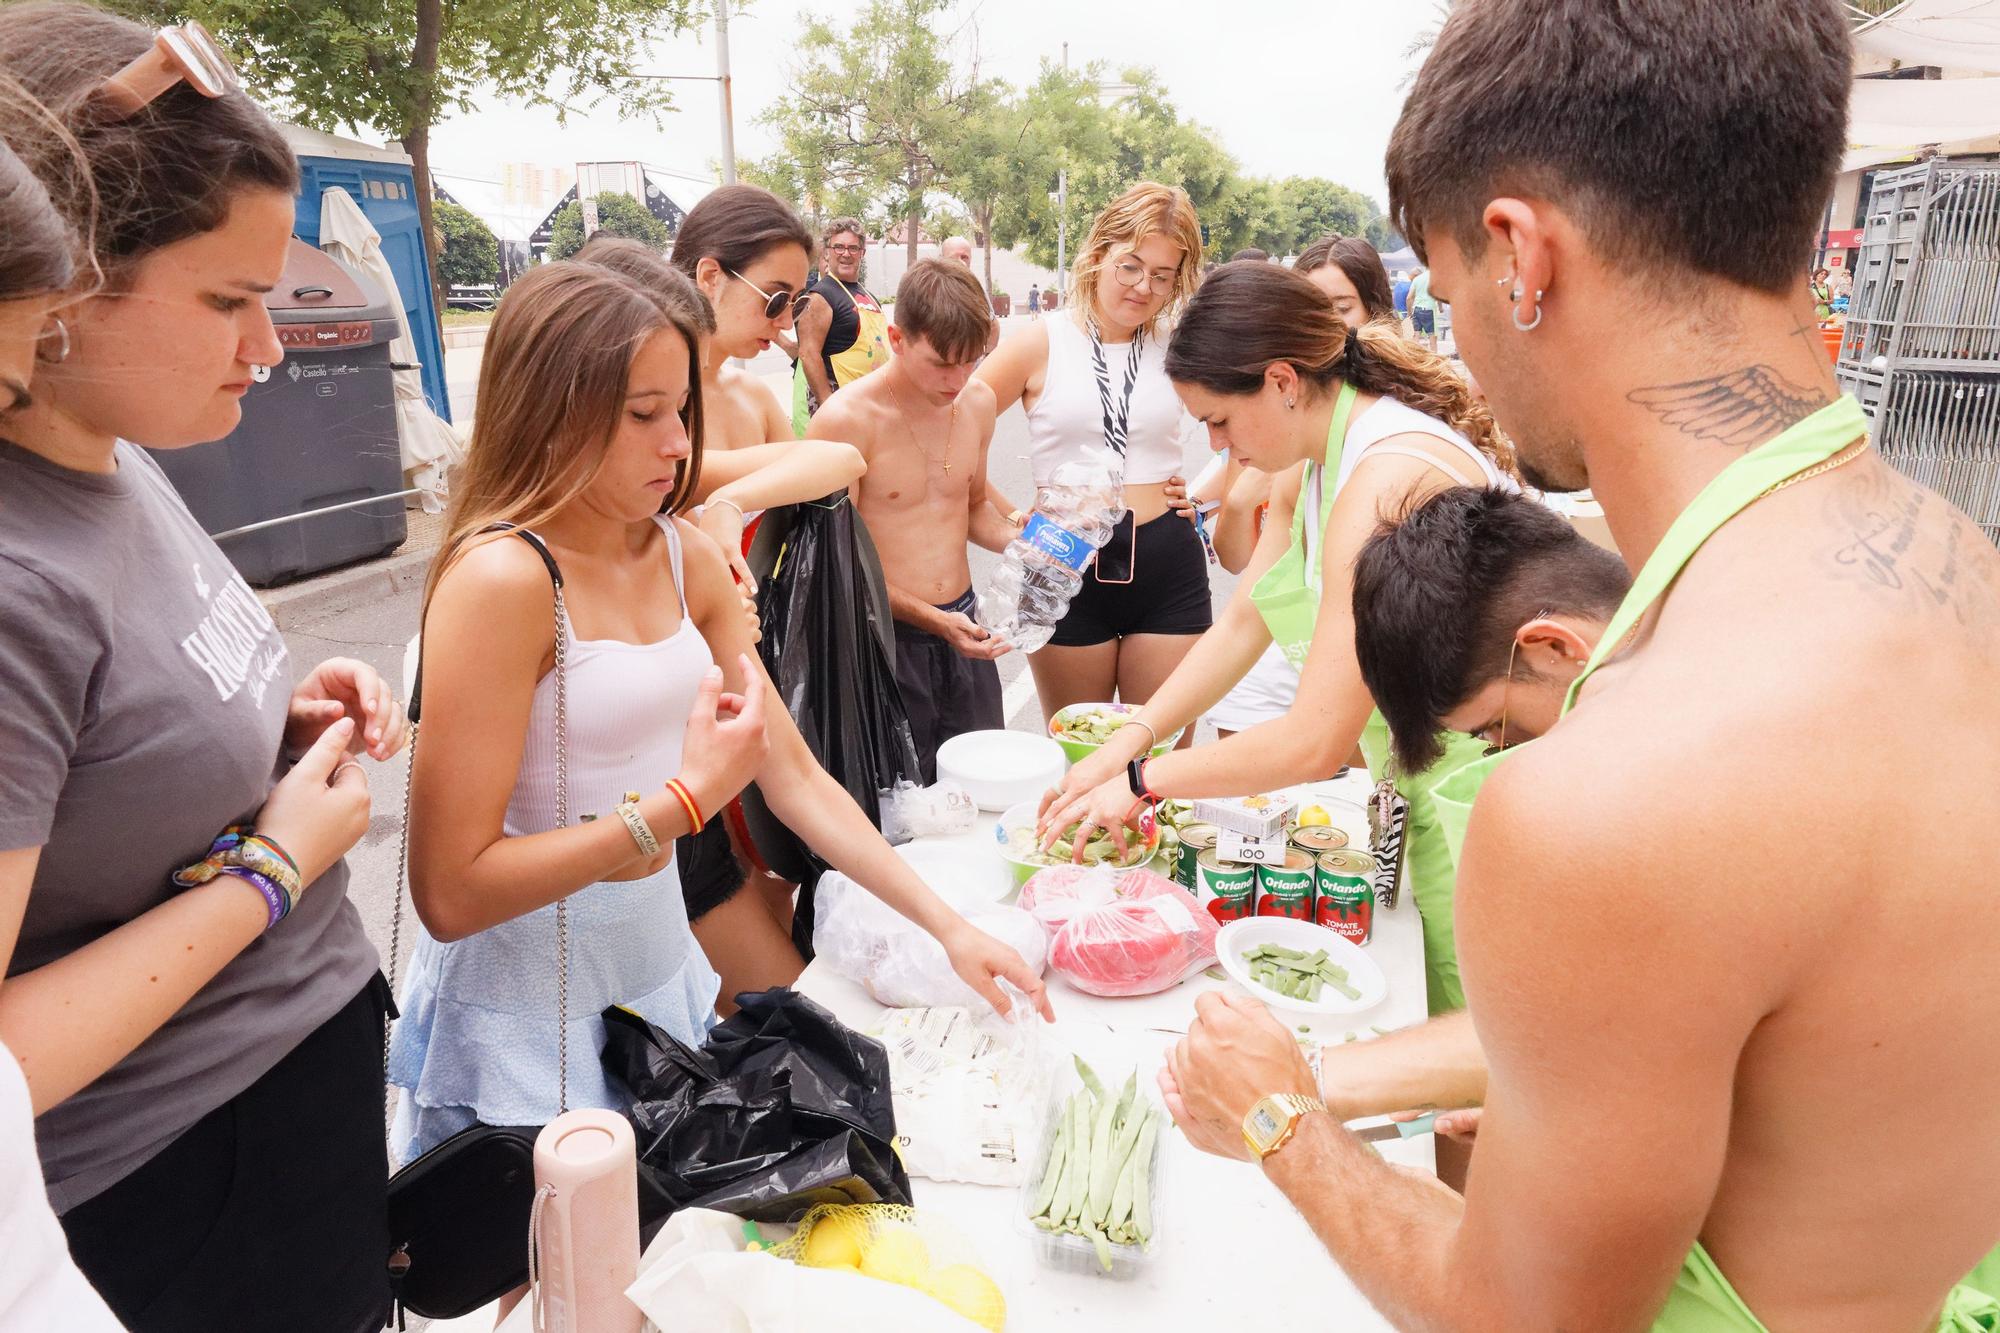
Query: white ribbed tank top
[(628, 711), (1067, 423)]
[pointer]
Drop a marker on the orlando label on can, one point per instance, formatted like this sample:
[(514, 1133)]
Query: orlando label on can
[(1287, 889), (1345, 894), (1226, 889), (1195, 839)]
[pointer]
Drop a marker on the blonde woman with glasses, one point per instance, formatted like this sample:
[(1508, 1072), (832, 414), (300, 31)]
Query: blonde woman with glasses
[(1094, 387)]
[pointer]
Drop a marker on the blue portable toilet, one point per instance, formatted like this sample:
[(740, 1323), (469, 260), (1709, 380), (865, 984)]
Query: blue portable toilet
[(382, 181)]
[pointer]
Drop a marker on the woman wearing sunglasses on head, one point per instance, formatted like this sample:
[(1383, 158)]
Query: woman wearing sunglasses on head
[(1094, 387), (191, 995)]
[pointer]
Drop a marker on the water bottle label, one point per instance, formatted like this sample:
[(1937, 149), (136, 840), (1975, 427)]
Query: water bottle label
[(1057, 542)]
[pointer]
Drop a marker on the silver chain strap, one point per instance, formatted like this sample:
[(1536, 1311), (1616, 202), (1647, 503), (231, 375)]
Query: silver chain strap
[(562, 821), (562, 904)]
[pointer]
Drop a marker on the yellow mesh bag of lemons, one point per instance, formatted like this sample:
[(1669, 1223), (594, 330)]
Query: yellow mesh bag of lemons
[(893, 1243)]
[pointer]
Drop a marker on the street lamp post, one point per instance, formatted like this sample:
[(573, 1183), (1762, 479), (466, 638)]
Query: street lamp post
[(722, 81)]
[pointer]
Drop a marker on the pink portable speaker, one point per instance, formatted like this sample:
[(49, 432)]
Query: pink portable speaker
[(586, 1224)]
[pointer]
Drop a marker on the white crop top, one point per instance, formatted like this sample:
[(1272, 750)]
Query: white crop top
[(628, 713), (1067, 422)]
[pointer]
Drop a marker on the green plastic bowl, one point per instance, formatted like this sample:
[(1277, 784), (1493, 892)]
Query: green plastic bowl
[(1024, 816), (1078, 751)]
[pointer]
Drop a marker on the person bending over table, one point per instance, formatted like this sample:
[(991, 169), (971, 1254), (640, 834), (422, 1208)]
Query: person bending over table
[(1726, 997), (1264, 359)]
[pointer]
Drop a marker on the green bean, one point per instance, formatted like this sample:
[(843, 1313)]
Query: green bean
[(1142, 1189), (1102, 1167), (1045, 1193), (1103, 1247), (1089, 1077), (1125, 1098)]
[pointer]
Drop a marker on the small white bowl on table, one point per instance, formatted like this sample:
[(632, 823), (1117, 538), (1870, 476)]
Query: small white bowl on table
[(999, 769), (1363, 974)]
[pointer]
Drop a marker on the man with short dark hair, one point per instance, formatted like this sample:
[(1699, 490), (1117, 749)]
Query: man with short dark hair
[(1474, 613), (1728, 932), (843, 332), (923, 424), (1251, 252)]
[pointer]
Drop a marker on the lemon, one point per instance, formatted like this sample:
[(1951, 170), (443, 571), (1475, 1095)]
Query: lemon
[(971, 1293), (897, 1254), (1314, 816), (835, 1242)]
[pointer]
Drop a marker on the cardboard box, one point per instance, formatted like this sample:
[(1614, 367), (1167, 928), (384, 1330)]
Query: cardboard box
[(1257, 817)]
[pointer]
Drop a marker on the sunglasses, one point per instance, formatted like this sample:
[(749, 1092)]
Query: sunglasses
[(776, 302), (181, 53)]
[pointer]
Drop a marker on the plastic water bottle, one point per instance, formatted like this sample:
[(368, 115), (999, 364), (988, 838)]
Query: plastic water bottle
[(1042, 569)]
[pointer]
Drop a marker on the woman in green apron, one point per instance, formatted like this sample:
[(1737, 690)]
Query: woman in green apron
[(1263, 358)]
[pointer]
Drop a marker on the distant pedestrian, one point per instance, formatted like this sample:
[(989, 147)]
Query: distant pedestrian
[(1822, 293), (1034, 301), (1251, 252), (1843, 284), (1423, 309), (1402, 291), (957, 249)]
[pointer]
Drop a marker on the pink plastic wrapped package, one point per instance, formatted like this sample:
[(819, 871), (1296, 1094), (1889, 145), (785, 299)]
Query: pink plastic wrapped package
[(1119, 932)]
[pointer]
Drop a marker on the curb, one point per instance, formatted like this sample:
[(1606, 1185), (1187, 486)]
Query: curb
[(297, 605), (471, 335)]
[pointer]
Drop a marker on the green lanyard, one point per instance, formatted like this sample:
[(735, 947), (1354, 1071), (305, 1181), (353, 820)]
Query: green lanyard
[(1801, 446)]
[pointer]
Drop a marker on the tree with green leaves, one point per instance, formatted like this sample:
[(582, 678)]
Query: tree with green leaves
[(403, 66), (877, 104), (1321, 207), (468, 252), (618, 214)]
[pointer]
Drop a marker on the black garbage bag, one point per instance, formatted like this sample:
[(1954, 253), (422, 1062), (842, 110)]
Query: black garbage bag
[(783, 1107), (829, 644)]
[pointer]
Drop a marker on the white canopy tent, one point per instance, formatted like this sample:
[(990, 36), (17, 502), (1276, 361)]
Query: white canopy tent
[(1955, 34)]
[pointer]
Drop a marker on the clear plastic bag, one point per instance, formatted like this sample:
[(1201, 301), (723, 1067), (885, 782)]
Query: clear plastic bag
[(1120, 932), (970, 1090), (941, 810), (865, 940)]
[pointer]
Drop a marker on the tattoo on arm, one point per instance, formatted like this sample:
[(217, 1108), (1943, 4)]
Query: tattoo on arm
[(1894, 535), (1741, 409)]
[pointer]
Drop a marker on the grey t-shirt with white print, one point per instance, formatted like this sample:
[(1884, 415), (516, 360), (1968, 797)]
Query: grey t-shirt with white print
[(143, 693)]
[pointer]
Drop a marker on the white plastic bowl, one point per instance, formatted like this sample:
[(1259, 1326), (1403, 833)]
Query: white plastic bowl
[(999, 769), (1362, 973)]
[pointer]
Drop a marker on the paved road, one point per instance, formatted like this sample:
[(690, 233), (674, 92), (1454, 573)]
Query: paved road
[(378, 632)]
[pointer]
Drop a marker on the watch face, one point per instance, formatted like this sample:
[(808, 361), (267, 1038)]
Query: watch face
[(1263, 1124)]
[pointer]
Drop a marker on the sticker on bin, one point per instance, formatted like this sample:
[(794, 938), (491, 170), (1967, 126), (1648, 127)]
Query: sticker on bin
[(1251, 851), (1052, 539)]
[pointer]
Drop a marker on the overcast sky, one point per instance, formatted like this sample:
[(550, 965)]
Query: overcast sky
[(1297, 87)]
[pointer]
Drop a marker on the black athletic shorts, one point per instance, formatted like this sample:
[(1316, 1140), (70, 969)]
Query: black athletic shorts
[(710, 872), (1168, 593), (269, 1213), (944, 693)]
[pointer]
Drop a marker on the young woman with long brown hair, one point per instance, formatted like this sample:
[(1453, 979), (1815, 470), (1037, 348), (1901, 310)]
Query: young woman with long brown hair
[(1379, 422), (1094, 388), (589, 441), (205, 1060), (1350, 272)]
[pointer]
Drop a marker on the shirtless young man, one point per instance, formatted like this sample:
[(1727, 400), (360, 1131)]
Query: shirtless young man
[(1728, 932), (922, 425)]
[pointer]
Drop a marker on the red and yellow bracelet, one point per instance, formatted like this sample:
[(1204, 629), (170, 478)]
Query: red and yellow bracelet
[(679, 789)]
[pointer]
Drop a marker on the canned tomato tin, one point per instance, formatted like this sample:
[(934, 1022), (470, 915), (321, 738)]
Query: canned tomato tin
[(1195, 839), (1313, 839), (1346, 895), (1225, 889), (1287, 890)]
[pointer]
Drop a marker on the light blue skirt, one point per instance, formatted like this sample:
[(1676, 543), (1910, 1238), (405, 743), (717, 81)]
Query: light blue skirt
[(478, 1038)]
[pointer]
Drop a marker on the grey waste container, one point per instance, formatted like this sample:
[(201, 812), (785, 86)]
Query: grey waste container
[(319, 431)]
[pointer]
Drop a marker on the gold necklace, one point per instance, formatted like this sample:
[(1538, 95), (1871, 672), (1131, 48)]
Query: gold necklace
[(949, 430)]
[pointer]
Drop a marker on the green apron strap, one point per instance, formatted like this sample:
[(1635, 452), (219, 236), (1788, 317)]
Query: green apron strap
[(1731, 491), (1336, 445)]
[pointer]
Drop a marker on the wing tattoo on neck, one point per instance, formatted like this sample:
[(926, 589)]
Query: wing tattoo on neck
[(1742, 408)]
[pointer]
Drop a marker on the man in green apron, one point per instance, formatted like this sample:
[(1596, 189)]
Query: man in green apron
[(1728, 931)]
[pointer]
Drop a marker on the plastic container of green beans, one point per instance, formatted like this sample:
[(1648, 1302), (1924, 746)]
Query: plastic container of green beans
[(1066, 1251)]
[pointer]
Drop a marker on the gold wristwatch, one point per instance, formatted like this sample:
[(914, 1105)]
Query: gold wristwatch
[(1272, 1121)]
